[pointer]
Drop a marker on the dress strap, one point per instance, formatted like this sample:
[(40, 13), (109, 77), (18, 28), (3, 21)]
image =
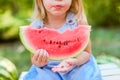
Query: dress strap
[(37, 23)]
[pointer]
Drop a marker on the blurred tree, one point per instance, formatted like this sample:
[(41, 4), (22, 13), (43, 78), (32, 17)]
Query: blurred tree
[(15, 6), (12, 15), (103, 13)]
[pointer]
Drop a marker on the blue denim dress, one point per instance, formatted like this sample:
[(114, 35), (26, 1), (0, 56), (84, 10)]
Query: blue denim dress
[(87, 71)]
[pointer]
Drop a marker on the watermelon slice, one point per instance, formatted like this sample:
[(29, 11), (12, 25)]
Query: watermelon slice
[(59, 45)]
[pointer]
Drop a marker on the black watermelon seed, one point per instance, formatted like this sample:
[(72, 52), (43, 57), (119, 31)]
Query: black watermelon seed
[(39, 31), (50, 41), (59, 46), (44, 40), (56, 42), (59, 42), (66, 43)]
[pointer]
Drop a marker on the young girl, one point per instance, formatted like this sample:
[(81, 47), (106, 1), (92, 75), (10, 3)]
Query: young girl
[(61, 15)]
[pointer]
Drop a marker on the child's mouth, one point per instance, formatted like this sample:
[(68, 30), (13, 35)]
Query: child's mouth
[(57, 7)]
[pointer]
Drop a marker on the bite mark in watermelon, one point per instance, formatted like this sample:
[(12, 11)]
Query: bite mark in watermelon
[(59, 45)]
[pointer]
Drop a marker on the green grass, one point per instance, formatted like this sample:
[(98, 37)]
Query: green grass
[(17, 54), (106, 42), (105, 45)]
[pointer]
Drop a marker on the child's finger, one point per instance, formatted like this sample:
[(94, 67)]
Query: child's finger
[(41, 55), (35, 57), (45, 57), (54, 69), (69, 63), (59, 69)]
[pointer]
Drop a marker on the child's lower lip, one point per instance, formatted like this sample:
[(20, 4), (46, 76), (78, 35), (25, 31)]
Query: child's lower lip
[(58, 7)]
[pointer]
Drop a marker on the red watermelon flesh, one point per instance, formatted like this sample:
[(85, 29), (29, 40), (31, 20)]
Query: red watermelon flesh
[(59, 45)]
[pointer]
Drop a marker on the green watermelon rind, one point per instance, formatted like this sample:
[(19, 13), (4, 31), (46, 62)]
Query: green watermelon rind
[(5, 74), (32, 50), (9, 67), (23, 39)]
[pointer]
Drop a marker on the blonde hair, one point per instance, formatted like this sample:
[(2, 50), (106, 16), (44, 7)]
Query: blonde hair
[(76, 8)]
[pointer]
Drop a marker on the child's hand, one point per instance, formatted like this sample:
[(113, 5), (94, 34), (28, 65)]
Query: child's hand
[(40, 58), (65, 65)]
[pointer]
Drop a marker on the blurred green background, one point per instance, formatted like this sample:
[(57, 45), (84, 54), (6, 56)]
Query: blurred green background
[(103, 15)]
